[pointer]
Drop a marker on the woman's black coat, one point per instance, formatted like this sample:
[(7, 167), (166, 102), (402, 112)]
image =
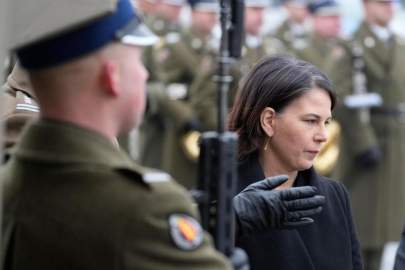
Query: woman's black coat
[(330, 243)]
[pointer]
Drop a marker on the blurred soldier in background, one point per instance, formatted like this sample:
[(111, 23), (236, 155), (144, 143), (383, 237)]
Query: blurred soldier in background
[(180, 57), (373, 167), (19, 107), (256, 45), (167, 16), (324, 46), (151, 138), (294, 31)]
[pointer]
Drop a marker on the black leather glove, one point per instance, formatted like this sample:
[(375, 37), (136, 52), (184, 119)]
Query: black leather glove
[(260, 207), (369, 158), (239, 259)]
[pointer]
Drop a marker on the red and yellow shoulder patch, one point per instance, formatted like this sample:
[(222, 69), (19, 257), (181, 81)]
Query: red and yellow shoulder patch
[(185, 231)]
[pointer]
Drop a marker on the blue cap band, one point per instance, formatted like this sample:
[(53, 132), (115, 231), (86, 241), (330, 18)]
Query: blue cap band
[(80, 41), (319, 5)]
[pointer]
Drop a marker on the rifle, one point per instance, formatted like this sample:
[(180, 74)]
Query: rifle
[(361, 99), (217, 162)]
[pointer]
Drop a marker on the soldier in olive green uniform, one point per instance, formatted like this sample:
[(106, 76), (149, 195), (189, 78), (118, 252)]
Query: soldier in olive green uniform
[(204, 90), (152, 132), (72, 200), (181, 56), (375, 149), (256, 44), (294, 31), (324, 46), (19, 106)]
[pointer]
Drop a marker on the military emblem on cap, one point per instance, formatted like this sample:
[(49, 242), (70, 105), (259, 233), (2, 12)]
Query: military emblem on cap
[(185, 231)]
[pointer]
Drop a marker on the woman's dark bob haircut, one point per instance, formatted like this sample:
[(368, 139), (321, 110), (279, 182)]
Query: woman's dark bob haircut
[(273, 82)]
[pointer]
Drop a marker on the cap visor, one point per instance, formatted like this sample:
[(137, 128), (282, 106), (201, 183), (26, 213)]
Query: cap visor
[(137, 33)]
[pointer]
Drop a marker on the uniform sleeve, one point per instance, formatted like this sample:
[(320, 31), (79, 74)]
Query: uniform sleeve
[(400, 258), (356, 253), (151, 240)]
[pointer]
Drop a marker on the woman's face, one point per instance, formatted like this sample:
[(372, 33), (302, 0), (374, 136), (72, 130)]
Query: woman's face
[(300, 130)]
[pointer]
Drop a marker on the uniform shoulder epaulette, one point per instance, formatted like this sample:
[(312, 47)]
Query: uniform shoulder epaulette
[(147, 176), (150, 176), (25, 103)]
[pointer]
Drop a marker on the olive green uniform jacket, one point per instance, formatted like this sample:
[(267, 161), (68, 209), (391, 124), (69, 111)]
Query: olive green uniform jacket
[(323, 53), (290, 39), (180, 57), (378, 193), (152, 132), (72, 200)]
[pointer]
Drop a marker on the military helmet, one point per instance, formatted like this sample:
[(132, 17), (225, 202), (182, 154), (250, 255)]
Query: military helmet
[(72, 29)]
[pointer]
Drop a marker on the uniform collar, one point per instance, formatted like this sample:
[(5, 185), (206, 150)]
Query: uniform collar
[(253, 41), (382, 33)]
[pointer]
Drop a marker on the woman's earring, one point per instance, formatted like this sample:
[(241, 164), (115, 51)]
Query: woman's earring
[(266, 145)]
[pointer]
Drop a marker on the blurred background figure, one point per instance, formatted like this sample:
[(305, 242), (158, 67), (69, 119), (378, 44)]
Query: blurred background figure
[(257, 45), (167, 16), (294, 31), (373, 147), (324, 44), (19, 107), (180, 58)]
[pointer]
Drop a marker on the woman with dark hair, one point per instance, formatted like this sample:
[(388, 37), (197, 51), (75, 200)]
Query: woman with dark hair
[(280, 114)]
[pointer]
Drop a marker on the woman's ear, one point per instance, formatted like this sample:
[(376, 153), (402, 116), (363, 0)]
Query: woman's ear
[(267, 120), (110, 78)]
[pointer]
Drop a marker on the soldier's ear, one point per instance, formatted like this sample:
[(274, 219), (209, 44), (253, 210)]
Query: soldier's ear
[(110, 78), (267, 121)]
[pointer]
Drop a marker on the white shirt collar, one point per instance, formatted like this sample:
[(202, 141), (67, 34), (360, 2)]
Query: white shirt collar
[(253, 41), (382, 33)]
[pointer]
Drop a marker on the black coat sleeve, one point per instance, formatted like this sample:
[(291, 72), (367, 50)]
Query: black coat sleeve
[(400, 258), (356, 253)]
